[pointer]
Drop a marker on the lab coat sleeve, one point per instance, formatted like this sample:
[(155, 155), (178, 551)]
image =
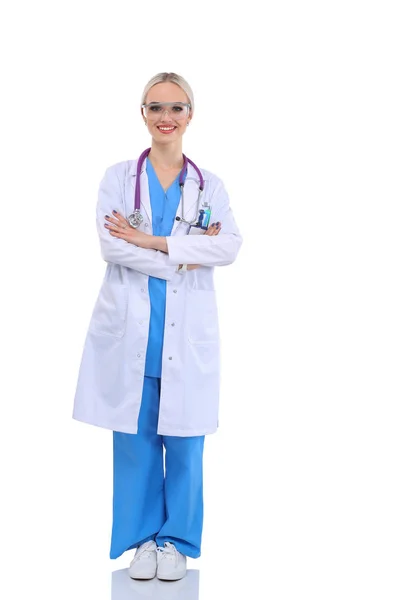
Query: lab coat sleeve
[(115, 250), (209, 251)]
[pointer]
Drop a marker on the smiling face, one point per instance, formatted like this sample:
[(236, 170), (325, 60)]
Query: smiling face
[(166, 126)]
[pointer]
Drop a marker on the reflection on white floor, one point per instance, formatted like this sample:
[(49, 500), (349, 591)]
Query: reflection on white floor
[(125, 588)]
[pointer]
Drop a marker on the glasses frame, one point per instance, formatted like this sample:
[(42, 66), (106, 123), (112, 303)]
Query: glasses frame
[(171, 104)]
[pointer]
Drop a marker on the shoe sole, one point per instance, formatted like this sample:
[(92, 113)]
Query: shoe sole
[(171, 577), (143, 576)]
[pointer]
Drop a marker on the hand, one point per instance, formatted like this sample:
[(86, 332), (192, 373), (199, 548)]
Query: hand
[(119, 227), (214, 229)]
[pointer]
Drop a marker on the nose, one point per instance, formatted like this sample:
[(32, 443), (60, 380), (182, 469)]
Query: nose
[(165, 116)]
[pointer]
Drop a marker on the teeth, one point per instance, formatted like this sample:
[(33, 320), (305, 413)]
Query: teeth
[(166, 128)]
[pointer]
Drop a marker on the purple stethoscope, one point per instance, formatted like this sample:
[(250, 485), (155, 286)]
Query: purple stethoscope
[(136, 218)]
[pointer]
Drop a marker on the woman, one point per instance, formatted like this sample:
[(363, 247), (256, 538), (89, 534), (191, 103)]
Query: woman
[(150, 365)]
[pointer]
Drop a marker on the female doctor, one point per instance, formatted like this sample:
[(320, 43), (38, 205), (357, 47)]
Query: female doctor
[(150, 363)]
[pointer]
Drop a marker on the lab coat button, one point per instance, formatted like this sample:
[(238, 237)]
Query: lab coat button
[(146, 224), (172, 324), (139, 355), (169, 357), (175, 291), (142, 290), (140, 322)]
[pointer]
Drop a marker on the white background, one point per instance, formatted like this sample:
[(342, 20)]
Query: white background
[(297, 110)]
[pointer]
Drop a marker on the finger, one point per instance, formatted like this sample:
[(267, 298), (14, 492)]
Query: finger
[(117, 227), (122, 221), (120, 235), (111, 220), (214, 229), (112, 227), (217, 227), (210, 229)]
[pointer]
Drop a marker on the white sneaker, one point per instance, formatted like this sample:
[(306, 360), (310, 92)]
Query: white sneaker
[(171, 564), (144, 563)]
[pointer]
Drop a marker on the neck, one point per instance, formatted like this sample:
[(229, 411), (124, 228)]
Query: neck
[(166, 156)]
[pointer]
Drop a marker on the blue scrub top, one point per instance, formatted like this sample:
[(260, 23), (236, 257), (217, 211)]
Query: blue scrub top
[(163, 208)]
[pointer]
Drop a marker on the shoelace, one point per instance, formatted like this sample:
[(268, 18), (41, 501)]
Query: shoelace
[(169, 552), (144, 552)]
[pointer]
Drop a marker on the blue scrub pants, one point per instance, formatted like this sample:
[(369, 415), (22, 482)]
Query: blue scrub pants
[(148, 505)]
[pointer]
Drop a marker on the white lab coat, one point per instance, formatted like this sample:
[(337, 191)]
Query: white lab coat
[(111, 374)]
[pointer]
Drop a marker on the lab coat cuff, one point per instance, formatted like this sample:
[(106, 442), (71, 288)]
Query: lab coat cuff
[(173, 252)]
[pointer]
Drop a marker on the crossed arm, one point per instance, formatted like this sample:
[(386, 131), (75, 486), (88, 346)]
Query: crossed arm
[(119, 227), (159, 256)]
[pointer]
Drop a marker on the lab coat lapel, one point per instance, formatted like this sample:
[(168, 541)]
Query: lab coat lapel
[(190, 201)]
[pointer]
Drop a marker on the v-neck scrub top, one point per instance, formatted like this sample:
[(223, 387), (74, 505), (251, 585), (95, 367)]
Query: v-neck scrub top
[(164, 205)]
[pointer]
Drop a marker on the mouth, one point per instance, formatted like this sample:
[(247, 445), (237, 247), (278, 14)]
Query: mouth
[(166, 130)]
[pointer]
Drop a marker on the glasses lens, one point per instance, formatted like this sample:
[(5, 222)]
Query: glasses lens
[(156, 110)]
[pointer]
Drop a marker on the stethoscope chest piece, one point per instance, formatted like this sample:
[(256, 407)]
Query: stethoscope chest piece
[(135, 219)]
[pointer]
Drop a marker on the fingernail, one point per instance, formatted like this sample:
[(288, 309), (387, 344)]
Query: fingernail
[(115, 212), (212, 224), (218, 224), (107, 216)]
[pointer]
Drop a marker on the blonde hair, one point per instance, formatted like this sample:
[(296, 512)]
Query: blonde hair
[(173, 78)]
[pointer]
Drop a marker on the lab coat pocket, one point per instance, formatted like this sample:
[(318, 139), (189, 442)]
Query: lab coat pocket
[(202, 317), (109, 313)]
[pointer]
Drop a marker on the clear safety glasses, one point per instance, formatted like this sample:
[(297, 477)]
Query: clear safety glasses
[(156, 110)]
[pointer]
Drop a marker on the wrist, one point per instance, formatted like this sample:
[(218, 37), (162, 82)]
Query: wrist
[(159, 243), (151, 242)]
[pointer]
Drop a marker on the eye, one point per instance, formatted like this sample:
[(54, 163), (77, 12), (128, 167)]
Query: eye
[(155, 108), (177, 108)]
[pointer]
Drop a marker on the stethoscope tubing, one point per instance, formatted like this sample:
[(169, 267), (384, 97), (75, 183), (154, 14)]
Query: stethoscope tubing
[(186, 160)]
